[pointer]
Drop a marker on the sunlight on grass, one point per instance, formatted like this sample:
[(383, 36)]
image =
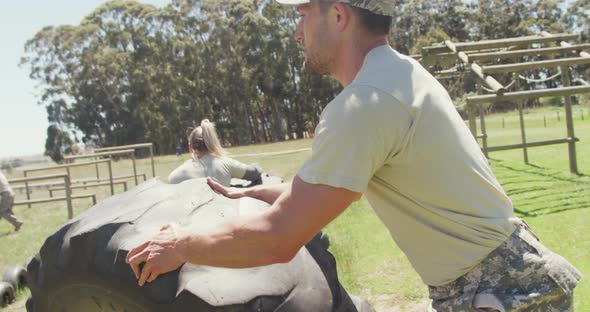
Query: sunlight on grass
[(554, 202)]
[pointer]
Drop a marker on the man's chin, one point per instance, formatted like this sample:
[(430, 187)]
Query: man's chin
[(308, 69)]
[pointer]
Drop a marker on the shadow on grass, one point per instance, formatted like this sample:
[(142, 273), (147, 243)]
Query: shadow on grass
[(547, 172), (532, 214), (539, 167), (7, 233), (564, 194)]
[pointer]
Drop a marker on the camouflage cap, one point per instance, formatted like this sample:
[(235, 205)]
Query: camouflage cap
[(380, 7)]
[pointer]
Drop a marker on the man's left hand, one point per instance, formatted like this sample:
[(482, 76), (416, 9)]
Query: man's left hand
[(161, 254)]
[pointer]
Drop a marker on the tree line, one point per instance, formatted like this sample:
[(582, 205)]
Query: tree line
[(132, 72)]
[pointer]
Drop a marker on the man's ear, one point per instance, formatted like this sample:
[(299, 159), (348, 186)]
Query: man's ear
[(342, 14)]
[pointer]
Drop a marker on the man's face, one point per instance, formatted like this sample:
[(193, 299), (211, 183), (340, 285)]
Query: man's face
[(312, 34)]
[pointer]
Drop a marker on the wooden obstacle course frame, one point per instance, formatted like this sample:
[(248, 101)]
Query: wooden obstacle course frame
[(134, 147), (67, 167), (72, 158), (115, 178), (68, 196), (84, 186), (460, 51), (52, 199)]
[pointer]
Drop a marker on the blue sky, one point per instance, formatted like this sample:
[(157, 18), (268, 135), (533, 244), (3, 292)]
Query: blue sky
[(23, 123)]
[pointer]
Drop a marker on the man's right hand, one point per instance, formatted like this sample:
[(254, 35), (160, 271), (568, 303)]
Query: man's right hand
[(231, 192)]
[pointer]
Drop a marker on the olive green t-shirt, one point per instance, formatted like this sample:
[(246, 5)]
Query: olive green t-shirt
[(394, 135)]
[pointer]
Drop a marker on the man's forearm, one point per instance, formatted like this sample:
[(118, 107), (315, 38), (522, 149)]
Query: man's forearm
[(274, 235), (267, 193), (248, 241)]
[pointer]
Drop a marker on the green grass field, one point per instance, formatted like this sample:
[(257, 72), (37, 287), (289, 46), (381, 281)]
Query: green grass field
[(554, 202)]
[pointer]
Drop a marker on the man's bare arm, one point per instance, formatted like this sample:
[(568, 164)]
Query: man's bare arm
[(265, 193), (273, 236)]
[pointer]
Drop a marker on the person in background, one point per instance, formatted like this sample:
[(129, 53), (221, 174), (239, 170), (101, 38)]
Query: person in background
[(88, 146), (6, 203), (208, 160)]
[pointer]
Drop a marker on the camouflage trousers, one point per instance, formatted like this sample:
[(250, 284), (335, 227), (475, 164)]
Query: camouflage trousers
[(6, 202), (519, 275)]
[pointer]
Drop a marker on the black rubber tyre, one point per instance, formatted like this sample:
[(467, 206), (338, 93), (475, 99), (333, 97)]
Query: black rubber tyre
[(16, 276), (82, 266), (265, 178), (6, 294)]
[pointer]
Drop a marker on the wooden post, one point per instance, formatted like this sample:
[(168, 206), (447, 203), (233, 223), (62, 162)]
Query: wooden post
[(484, 134), (110, 165), (544, 121), (134, 168), (521, 116), (69, 173), (152, 157), (27, 188), (472, 122), (503, 123), (97, 172), (69, 195), (482, 124), (558, 116), (565, 78), (523, 133)]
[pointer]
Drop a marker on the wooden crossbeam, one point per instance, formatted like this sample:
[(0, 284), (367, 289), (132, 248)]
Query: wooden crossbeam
[(101, 154), (489, 80), (528, 52), (521, 95), (518, 67), (39, 178), (68, 165), (52, 199), (530, 144), (117, 178), (122, 147), (61, 188), (501, 43)]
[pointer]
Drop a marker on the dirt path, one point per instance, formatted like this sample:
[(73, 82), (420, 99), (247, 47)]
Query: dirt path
[(391, 303), (17, 306)]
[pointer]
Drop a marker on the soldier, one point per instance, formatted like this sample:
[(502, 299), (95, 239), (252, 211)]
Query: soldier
[(393, 135), (6, 202)]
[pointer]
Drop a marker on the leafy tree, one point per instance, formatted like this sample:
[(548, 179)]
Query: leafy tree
[(131, 72), (58, 143)]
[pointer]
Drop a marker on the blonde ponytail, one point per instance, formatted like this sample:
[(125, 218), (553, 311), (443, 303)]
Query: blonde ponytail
[(203, 139)]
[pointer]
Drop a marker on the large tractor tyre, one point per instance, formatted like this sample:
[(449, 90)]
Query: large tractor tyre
[(265, 178), (6, 294), (16, 276), (82, 266)]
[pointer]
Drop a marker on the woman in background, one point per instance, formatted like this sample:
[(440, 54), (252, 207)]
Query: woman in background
[(209, 160)]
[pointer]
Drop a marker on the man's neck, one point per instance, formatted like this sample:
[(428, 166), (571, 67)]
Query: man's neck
[(352, 57)]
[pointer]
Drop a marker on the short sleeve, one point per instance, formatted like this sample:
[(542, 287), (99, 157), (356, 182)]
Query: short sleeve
[(236, 169), (357, 132)]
